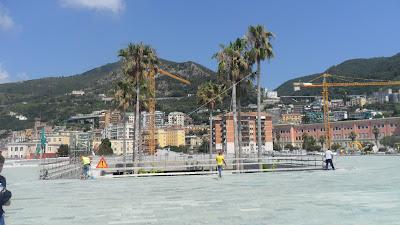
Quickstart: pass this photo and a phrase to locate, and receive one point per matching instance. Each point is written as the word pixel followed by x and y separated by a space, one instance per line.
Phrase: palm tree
pixel 231 64
pixel 124 95
pixel 137 61
pixel 243 88
pixel 322 140
pixel 376 133
pixel 210 94
pixel 259 40
pixel 353 137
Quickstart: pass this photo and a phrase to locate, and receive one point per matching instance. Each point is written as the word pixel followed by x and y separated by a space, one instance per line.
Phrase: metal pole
pixel 124 144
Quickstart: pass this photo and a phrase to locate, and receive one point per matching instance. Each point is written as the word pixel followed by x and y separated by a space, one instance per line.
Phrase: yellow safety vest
pixel 85 160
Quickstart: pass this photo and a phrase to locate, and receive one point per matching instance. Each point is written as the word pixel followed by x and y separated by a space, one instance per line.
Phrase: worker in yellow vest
pixel 86 166
pixel 220 162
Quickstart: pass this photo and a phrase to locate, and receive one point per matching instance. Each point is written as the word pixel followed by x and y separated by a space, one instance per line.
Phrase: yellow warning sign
pixel 102 163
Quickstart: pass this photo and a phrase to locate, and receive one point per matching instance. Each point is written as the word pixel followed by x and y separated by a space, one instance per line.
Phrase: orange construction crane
pixel 325 94
pixel 152 103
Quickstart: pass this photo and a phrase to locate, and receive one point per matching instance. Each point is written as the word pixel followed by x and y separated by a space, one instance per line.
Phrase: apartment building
pixel 223 132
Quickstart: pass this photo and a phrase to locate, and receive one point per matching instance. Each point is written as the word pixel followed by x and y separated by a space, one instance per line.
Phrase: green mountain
pixel 49 98
pixel 380 68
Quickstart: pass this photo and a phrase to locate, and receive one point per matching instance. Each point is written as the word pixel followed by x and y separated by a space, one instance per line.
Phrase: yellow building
pixel 58 139
pixel 294 118
pixel 358 101
pixel 170 137
pixel 54 142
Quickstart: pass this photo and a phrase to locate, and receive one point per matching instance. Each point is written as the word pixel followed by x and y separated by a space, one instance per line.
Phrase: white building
pixel 78 92
pixel 176 119
pixel 131 117
pixel 116 131
pixel 21 117
pixel 271 94
pixel 159 119
pixel 20 150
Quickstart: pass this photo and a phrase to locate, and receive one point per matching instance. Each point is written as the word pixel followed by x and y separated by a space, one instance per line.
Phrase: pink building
pixel 340 131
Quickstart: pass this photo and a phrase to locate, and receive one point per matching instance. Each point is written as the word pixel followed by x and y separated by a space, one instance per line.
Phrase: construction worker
pixel 5 195
pixel 328 159
pixel 220 162
pixel 86 166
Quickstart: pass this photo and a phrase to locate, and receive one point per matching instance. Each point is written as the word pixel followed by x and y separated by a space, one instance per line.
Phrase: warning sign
pixel 102 163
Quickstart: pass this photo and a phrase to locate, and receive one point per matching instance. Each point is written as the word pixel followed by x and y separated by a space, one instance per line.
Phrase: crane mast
pixel 152 103
pixel 327 124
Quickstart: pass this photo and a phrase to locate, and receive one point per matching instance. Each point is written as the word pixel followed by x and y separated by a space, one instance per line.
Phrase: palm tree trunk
pixel 211 139
pixel 240 132
pixel 124 143
pixel 137 129
pixel 259 143
pixel 140 147
pixel 134 132
pixel 235 126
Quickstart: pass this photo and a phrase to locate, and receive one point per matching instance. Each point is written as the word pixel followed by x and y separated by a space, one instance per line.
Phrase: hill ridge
pixel 379 68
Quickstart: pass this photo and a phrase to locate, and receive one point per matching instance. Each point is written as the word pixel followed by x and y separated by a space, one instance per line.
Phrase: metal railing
pixel 208 166
pixel 60 168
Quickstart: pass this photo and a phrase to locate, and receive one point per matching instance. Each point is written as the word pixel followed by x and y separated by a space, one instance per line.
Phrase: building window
pixel 20 149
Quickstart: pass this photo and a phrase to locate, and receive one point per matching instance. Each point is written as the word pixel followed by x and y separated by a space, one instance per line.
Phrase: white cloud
pixel 3 74
pixel 114 6
pixel 6 22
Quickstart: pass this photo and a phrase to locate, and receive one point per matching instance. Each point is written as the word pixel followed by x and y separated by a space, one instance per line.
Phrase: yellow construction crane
pixel 152 102
pixel 325 93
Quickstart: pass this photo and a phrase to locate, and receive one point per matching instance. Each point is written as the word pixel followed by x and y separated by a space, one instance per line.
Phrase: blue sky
pixel 66 37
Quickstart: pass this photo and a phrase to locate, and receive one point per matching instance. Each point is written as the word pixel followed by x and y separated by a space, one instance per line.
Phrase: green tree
pixel 105 147
pixel 203 148
pixel 63 151
pixel 232 62
pixel 278 138
pixel 138 60
pixel 259 40
pixel 335 146
pixel 376 133
pixel 309 143
pixel 277 147
pixel 322 140
pixel 390 141
pixel 353 136
pixel 210 94
pixel 289 146
pixel 181 148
